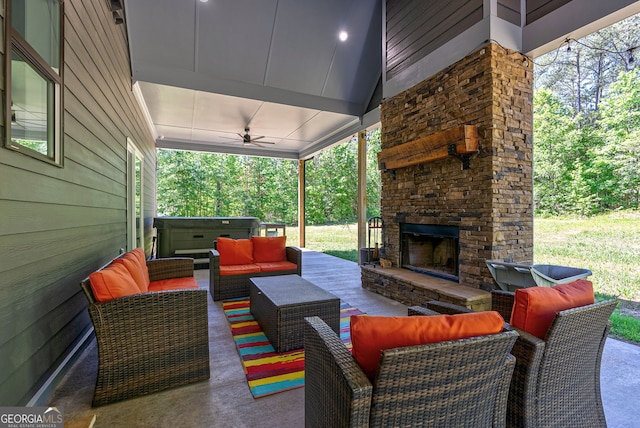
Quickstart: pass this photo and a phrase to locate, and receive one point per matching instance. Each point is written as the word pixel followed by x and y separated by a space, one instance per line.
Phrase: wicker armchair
pixel 153 341
pixel 448 384
pixel 232 286
pixel 556 382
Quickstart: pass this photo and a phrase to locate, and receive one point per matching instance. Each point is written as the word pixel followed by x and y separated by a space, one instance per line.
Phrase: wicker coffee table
pixel 280 304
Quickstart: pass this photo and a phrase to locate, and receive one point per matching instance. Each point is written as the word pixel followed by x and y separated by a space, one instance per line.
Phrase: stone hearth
pixel 412 288
pixel 491 201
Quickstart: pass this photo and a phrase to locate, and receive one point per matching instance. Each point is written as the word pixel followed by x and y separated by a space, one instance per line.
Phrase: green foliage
pixel 332 182
pixel 207 184
pixel 587 124
pixel 625 327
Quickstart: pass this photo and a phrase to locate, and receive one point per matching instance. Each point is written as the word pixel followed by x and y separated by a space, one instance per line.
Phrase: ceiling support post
pixel 362 191
pixel 301 203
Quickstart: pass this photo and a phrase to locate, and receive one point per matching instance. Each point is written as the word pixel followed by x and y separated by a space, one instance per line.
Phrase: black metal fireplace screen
pixel 430 249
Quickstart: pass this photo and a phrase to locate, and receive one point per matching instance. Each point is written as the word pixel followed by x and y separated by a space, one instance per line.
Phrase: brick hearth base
pixel 411 288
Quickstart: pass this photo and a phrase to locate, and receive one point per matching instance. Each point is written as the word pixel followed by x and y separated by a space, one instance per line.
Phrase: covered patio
pixel 225 400
pixel 258 78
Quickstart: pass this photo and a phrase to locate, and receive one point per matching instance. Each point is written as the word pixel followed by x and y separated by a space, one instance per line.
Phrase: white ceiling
pixel 206 70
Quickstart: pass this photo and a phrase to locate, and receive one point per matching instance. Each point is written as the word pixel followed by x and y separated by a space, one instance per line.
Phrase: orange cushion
pixel 372 334
pixel 534 308
pixel 138 254
pixel 235 251
pixel 238 269
pixel 269 248
pixel 173 284
pixel 112 282
pixel 277 266
pixel 137 273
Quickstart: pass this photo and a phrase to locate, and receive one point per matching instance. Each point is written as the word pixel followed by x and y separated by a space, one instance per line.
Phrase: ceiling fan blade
pixel 257 138
pixel 261 143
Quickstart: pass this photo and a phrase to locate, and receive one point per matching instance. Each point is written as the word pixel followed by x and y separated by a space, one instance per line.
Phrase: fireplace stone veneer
pixel 490 203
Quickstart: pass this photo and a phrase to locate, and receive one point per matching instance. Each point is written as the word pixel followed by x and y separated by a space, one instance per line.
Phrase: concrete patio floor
pixel 225 401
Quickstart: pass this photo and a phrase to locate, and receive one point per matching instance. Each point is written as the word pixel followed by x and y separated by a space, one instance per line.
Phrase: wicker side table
pixel 280 304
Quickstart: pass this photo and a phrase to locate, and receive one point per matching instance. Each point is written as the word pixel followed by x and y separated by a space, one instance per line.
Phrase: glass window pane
pixel 38 22
pixel 32 100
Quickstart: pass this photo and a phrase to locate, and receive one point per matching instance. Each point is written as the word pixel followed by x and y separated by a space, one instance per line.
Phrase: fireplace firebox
pixel 430 249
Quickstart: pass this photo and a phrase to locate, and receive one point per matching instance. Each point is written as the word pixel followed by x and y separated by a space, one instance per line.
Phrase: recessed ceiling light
pixel 203 1
pixel 343 36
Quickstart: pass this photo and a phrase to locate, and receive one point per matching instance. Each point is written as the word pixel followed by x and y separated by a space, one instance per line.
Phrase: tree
pixel 586 121
pixel 620 129
pixel 207 184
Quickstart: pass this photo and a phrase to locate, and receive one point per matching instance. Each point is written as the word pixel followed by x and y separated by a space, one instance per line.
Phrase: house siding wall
pixel 59 224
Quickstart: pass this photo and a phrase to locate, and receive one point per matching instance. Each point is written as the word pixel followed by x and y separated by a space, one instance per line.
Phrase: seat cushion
pixel 372 334
pixel 268 249
pixel 534 308
pixel 112 282
pixel 277 266
pixel 239 269
pixel 174 284
pixel 234 251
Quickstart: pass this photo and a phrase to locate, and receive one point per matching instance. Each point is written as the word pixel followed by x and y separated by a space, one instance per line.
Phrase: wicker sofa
pixel 556 382
pixel 228 282
pixel 149 342
pixel 454 383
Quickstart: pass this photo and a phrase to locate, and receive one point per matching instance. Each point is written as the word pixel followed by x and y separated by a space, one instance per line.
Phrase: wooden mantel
pixel 458 142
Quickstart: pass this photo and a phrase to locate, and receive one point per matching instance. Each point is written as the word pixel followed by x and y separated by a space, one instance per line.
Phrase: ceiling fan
pixel 248 139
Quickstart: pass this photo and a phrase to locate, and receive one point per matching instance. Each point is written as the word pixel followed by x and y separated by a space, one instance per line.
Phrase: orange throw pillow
pixel 139 255
pixel 267 249
pixel 136 263
pixel 534 308
pixel 112 282
pixel 235 251
pixel 372 334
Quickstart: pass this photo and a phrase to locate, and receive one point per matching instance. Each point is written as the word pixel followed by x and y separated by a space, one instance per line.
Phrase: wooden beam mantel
pixel 459 142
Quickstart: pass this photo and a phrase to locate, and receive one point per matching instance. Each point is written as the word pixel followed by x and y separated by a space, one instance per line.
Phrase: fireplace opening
pixel 430 249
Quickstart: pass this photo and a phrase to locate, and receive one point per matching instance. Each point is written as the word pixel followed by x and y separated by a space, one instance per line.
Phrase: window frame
pixel 135 223
pixel 15 41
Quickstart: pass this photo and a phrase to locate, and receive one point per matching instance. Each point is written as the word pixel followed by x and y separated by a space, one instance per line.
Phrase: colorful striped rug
pixel 267 371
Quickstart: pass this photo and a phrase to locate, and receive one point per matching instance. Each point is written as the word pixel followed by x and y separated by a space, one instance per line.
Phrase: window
pixel 34 78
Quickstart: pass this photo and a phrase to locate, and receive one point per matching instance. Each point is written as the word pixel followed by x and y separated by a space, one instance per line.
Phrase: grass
pixel 338 240
pixel 608 245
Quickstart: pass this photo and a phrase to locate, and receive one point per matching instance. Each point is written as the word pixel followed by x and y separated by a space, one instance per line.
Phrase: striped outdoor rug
pixel 267 371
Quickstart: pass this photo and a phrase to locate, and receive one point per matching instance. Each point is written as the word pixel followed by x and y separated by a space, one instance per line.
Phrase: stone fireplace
pixel 487 202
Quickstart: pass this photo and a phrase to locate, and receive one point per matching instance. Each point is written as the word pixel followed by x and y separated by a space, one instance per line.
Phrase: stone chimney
pixel 490 201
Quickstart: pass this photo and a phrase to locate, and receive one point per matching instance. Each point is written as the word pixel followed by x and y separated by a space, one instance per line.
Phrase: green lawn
pixel 338 240
pixel 608 245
